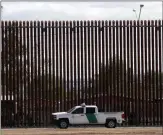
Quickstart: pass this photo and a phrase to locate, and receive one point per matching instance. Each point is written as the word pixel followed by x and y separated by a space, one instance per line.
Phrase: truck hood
pixel 59 113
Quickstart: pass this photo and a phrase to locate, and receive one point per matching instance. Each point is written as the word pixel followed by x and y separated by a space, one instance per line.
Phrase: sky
pixel 80 10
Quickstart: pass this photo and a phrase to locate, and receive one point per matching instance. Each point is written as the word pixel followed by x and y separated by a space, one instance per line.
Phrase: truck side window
pixel 90 110
pixel 78 111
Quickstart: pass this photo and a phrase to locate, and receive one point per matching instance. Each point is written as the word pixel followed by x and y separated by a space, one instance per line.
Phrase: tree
pixel 111 77
pixel 45 84
pixel 13 59
pixel 14 69
pixel 153 85
pixel 50 88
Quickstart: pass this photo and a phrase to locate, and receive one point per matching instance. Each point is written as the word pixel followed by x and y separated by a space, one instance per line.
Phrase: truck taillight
pixel 123 116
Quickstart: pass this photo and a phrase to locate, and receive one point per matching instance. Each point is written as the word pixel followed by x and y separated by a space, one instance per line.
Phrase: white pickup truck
pixel 87 115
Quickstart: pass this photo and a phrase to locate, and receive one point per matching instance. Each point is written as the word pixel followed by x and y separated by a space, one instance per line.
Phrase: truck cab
pixel 87 115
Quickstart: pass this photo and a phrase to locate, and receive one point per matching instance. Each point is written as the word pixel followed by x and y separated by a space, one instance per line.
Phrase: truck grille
pixel 54 116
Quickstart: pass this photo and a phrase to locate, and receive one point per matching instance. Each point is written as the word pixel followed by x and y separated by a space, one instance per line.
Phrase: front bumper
pixel 55 122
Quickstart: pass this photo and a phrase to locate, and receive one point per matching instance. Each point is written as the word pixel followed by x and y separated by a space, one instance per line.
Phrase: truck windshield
pixel 70 110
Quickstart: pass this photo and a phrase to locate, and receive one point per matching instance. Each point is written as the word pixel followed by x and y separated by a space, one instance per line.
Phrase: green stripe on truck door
pixel 91 118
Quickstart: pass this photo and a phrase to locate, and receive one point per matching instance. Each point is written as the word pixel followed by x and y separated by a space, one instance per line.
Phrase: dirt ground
pixel 85 131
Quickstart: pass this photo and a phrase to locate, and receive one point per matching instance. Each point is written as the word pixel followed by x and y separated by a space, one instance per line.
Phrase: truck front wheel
pixel 63 124
pixel 110 124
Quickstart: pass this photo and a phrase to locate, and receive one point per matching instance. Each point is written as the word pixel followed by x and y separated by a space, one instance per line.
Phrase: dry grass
pixel 84 131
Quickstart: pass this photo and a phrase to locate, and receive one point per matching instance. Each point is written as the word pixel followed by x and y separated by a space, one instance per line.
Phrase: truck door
pixel 91 115
pixel 78 116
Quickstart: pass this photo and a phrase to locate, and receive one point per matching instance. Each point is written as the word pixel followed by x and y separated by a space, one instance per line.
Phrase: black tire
pixel 110 124
pixel 63 124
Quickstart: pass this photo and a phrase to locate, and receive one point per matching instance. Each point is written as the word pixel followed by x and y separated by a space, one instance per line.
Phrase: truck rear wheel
pixel 63 124
pixel 110 124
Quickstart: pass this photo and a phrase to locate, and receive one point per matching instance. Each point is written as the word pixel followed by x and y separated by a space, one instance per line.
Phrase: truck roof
pixel 87 106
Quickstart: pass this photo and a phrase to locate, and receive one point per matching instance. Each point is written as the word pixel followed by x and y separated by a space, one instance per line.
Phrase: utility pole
pixel 138 18
pixel 141 6
pixel 0 67
pixel 162 11
pixel 135 13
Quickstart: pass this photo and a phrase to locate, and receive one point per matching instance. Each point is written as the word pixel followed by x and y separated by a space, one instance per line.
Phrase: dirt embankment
pixel 84 131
